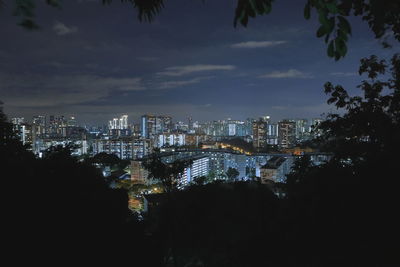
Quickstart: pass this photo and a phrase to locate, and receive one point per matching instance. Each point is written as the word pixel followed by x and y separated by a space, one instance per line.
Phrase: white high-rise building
pixel 118 123
pixel 123 122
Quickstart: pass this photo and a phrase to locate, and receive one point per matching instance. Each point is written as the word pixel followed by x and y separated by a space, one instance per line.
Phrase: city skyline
pixel 198 64
pixel 109 121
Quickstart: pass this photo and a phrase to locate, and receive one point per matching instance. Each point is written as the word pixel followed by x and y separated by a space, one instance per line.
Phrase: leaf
pixel 340 46
pixel 321 31
pixel 344 49
pixel 327 38
pixel 251 12
pixel 337 55
pixel 323 17
pixel 332 7
pixel 341 34
pixel 307 11
pixel 253 5
pixel 240 13
pixel 344 25
pixel 267 7
pixel 330 24
pixel 244 20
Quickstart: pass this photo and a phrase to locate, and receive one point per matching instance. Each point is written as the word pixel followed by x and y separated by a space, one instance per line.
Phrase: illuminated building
pixel 23 130
pixel 276 169
pixel 72 122
pixel 195 139
pixel 119 126
pixel 286 133
pixel 259 134
pixel 272 134
pixel 138 173
pixel 124 148
pixel 39 122
pixel 198 168
pixel 152 125
pixel 171 139
pixel 80 147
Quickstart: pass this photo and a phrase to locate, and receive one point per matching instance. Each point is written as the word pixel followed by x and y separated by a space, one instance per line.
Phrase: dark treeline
pixel 57 208
pixel 344 212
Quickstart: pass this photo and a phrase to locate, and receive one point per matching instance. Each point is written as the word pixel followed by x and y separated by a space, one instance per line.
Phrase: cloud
pixel 174 84
pixel 257 44
pixel 315 110
pixel 40 90
pixel 344 74
pixel 292 73
pixel 183 70
pixel 62 29
pixel 148 59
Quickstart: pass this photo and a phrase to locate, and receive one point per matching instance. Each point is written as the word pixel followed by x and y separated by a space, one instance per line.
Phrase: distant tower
pixel 190 124
pixel 287 133
pixel 259 133
pixel 72 121
pixel 123 122
pixel 265 118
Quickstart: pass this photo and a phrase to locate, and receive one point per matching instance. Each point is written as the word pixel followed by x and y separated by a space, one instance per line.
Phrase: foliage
pixel 356 191
pixel 371 122
pixel 232 173
pixel 201 180
pixel 167 173
pixel 10 145
pixel 147 9
pixel 64 203
pixel 25 10
pixel 220 224
pixel 382 17
pixel 105 159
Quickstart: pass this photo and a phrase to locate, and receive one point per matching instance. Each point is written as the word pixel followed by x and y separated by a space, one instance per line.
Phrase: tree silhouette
pixel 168 173
pixel 336 203
pixel 105 159
pixel 223 224
pixel 64 203
pixel 371 122
pixel 232 173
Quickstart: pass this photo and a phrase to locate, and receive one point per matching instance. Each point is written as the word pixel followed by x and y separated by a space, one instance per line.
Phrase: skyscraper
pixel 120 123
pixel 287 133
pixel 39 123
pixel 152 125
pixel 259 133
pixel 123 122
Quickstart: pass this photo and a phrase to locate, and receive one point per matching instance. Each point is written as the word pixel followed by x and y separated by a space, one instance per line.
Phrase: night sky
pixel 98 62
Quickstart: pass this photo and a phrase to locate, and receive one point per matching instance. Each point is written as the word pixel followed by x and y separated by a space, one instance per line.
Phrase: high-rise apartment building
pixel 152 125
pixel 124 148
pixel 302 130
pixel 171 139
pixel 272 134
pixel 39 124
pixel 120 123
pixel 259 134
pixel 72 122
pixel 23 130
pixel 286 133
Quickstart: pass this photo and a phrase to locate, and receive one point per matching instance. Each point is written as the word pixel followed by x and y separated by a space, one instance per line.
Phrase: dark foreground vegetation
pixel 345 212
